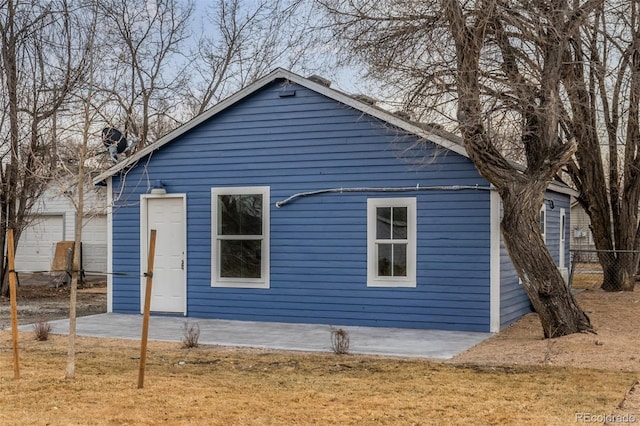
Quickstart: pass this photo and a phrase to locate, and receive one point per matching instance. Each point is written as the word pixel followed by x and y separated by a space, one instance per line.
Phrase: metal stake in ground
pixel 147 307
pixel 14 307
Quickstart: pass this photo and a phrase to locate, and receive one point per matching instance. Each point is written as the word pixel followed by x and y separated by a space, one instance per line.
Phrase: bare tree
pixel 146 63
pixel 498 65
pixel 165 66
pixel 241 42
pixel 602 77
pixel 40 65
pixel 79 149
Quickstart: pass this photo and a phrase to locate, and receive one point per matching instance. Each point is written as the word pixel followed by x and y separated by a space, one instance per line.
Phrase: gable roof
pixel 451 142
pixel 437 136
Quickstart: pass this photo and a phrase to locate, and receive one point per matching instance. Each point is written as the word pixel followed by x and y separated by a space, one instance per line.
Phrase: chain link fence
pixel 586 270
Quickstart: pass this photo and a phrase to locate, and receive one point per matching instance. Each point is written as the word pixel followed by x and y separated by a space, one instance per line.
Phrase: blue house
pixel 293 202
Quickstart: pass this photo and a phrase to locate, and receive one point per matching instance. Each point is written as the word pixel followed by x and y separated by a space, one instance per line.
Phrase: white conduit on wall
pixel 381 189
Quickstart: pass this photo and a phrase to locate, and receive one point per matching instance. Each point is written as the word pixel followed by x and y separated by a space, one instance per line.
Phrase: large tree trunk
pixel 619 270
pixel 614 227
pixel 606 166
pixel 550 296
pixel 522 192
pixel 505 76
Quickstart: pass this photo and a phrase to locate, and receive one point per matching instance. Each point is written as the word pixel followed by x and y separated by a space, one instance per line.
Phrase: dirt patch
pixel 39 300
pixel 616 318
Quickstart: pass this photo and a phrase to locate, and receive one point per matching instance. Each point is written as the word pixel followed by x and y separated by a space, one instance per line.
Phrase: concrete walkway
pixel 297 337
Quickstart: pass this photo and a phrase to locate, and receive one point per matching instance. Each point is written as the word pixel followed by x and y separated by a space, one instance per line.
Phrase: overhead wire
pixel 382 189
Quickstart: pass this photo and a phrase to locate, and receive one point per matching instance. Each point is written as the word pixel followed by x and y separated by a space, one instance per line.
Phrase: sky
pixel 342 78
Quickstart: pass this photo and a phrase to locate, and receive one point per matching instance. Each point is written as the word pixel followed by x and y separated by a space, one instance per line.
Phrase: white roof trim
pixel 257 85
pixel 562 189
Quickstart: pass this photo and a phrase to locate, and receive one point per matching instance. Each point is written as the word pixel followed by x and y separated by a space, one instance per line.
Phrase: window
pixel 543 222
pixel 391 242
pixel 240 237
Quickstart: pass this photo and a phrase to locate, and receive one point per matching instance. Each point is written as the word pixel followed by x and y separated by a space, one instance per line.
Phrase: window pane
pixel 542 223
pixel 383 223
pixel 384 260
pixel 240 214
pixel 399 260
pixel 392 260
pixel 399 223
pixel 240 258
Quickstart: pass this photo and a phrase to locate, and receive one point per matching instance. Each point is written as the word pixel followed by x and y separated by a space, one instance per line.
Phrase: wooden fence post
pixel 14 306
pixel 147 308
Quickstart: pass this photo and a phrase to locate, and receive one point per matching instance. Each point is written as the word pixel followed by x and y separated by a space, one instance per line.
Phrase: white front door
pixel 166 215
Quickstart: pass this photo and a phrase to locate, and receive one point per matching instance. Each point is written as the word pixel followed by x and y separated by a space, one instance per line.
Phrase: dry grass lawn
pixel 516 377
pixel 232 386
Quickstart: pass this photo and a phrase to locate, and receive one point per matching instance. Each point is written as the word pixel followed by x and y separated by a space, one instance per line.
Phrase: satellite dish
pixel 116 143
pixel 114 137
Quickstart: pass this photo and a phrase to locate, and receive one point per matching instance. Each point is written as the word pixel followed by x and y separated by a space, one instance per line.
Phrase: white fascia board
pixel 562 189
pixel 109 245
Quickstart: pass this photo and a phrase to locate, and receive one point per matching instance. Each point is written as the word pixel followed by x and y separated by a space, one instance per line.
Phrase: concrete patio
pixel 437 344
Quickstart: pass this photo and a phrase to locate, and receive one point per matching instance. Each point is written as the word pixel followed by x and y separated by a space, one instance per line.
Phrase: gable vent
pixel 286 93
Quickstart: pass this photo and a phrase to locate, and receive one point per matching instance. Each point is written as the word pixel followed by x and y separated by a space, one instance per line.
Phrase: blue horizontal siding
pixel 318 243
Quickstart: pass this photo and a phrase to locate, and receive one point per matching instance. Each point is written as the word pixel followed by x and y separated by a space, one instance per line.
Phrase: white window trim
pixel 373 280
pixel 563 239
pixel 543 224
pixel 216 280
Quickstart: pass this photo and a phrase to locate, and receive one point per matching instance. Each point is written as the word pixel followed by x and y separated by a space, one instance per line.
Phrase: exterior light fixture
pixel 158 188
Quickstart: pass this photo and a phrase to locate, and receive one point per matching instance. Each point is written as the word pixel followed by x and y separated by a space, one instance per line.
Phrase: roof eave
pixel 563 189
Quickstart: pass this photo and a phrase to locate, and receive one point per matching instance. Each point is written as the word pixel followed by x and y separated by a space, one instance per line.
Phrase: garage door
pixel 94 243
pixel 37 243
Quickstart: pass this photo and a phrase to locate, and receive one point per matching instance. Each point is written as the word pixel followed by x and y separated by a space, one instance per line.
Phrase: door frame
pixel 144 242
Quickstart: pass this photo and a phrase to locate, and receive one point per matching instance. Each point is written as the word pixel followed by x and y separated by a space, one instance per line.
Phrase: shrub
pixel 339 341
pixel 191 335
pixel 41 329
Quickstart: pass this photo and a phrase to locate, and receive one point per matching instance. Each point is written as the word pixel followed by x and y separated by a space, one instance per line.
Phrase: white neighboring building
pixel 581 238
pixel 54 220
